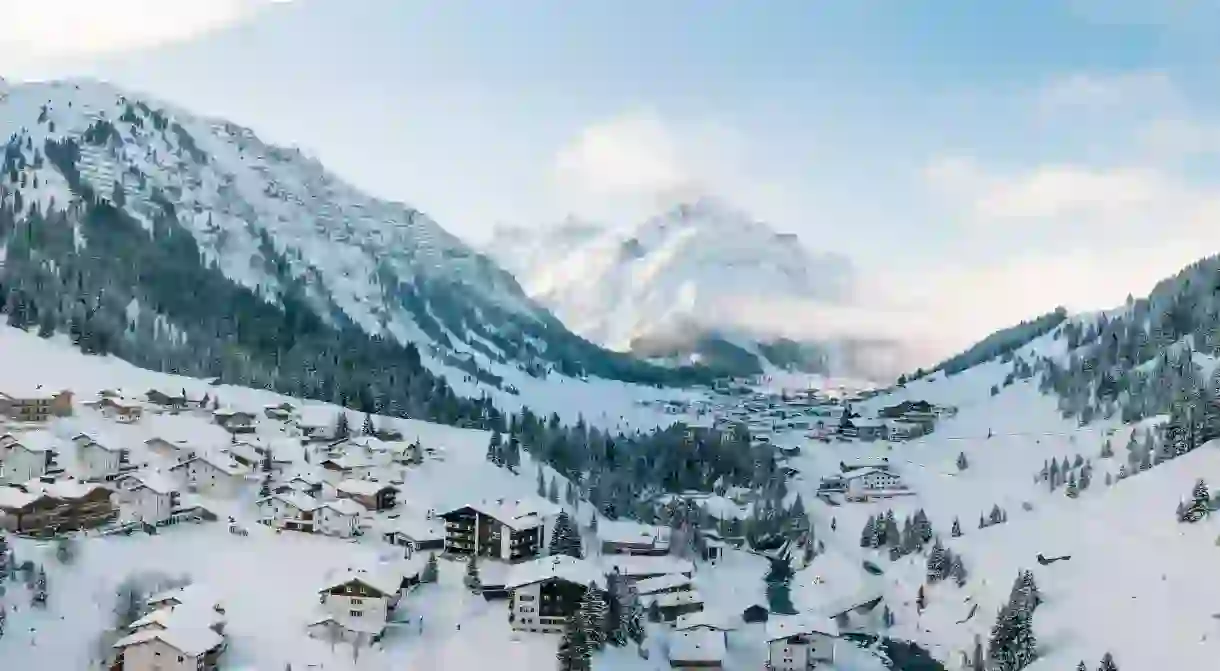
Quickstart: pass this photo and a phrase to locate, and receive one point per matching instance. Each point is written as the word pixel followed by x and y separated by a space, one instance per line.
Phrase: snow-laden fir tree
pixel 574 653
pixel 1081 666
pixel 1199 505
pixel 618 595
pixel 869 533
pixel 472 579
pixel 938 563
pixel 431 570
pixel 635 618
pixel 1012 646
pixel 1107 663
pixel 39 595
pixel 1072 491
pixel 591 613
pixel 368 428
pixel 342 428
pixel 1025 591
pixel 552 492
pixel 962 462
pixel 541 484
pixel 921 601
pixel 3 618
pixel 957 569
pixel 565 538
pixel 956 531
pixel 494 452
pixel 922 526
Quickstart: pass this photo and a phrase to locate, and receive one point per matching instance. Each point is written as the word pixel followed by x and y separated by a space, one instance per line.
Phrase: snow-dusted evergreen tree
pixel 921 600
pixel 890 535
pixel 472 579
pixel 618 595
pixel 1081 666
pixel 1107 663
pixel 887 617
pixel 956 531
pixel 1072 491
pixel 565 538
pixel 368 428
pixel 1025 591
pixel 635 618
pixel 342 428
pixel 962 462
pixel 541 484
pixel 996 516
pixel 591 613
pixel 3 618
pixel 922 526
pixel 1012 646
pixel 4 558
pixel 1086 476
pixel 512 454
pixel 431 570
pixel 574 653
pixel 1107 450
pixel 957 569
pixel 494 452
pixel 552 492
pixel 869 533
pixel 938 563
pixel 1199 505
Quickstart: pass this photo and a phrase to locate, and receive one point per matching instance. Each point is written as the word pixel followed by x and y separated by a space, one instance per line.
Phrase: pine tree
pixel 962 463
pixel 494 452
pixel 472 579
pixel 368 428
pixel 541 483
pixel 1025 591
pixel 869 532
pixel 956 531
pixel 431 570
pixel 264 489
pixel 342 429
pixel 887 617
pixel 921 601
pixel 39 596
pixel 957 570
pixel 938 563
pixel 591 613
pixel 565 537
pixel 617 598
pixel 3 619
pixel 1107 663
pixel 1072 491
pixel 1199 505
pixel 1081 666
pixel 1107 450
pixel 574 653
pixel 552 492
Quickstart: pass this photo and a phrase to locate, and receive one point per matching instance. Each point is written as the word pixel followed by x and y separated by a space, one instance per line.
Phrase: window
pixel 526 597
pixel 356 602
pixel 180 658
pixel 355 613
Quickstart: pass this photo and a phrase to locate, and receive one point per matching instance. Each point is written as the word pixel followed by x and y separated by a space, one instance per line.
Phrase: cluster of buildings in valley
pixel 312 477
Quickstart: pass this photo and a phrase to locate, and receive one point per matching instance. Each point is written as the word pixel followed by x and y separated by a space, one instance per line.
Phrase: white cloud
pixel 1176 138
pixel 1107 93
pixel 34 29
pixel 628 155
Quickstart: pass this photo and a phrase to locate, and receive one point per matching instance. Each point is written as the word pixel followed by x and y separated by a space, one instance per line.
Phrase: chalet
pixel 317 423
pixel 167 398
pixel 695 650
pixel 213 475
pixel 546 591
pixel 35 405
pixel 234 421
pixel 41 507
pixel 666 584
pixel 346 467
pixel 147 497
pixel 870 430
pixel 292 511
pixel 303 484
pixel 512 531
pixel 361 601
pixel 99 461
pixel 184 616
pixel 414 535
pixel 26 456
pixel 281 411
pixel 340 517
pixel 703 621
pixel 671 605
pixel 371 495
pixel 632 538
pixel 175 449
pixel 637 568
pixel 151 649
pixel 245 454
pixel 118 408
pixel 866 482
pixel 800 642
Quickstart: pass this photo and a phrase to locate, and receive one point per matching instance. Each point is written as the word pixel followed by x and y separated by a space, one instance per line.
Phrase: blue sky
pixel 979 161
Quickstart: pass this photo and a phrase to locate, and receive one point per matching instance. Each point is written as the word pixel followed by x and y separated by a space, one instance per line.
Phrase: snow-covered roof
pixel 184 616
pixel 672 599
pixel 191 641
pixel 362 487
pixel 345 507
pixel 38 441
pixel 627 531
pixel 35 393
pixel 783 626
pixel 223 463
pixel 637 565
pixel 195 594
pixel 562 567
pixel 347 461
pixel 156 482
pixel 106 446
pixel 11 497
pixel 517 514
pixel 706 619
pixel 67 488
pixel 662 582
pixel 297 500
pixel 354 624
pixel 696 646
pixel 415 529
pixel 317 416
pixel 384 579
pixel 861 472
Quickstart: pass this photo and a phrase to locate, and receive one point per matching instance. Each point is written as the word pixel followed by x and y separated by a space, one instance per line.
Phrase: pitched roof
pixel 185 616
pixel 517 514
pixel 671 599
pixel 706 619
pixel 783 626
pixel 38 441
pixel 302 502
pixel 191 641
pixel 696 646
pixel 662 582
pixel 345 507
pixel 561 567
pixel 384 579
pixel 636 565
pixel 415 529
pixel 627 531
pixel 363 487
pixel 193 594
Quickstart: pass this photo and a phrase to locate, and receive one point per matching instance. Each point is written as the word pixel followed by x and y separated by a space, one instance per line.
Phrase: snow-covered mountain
pixel 702 280
pixel 188 243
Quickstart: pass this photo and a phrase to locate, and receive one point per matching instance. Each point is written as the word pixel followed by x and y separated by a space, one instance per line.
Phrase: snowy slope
pixel 696 268
pixel 275 222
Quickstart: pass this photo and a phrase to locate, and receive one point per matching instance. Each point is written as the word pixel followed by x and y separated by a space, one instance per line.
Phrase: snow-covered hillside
pixel 699 268
pixel 95 168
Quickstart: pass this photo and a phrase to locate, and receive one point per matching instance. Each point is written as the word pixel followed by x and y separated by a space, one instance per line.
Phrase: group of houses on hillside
pixel 184 629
